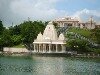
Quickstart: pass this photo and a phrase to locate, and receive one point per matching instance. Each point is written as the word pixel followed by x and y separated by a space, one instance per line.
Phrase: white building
pixel 75 22
pixel 49 42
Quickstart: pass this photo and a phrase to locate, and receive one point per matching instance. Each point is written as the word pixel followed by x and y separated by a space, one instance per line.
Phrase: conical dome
pixel 50 32
pixel 40 37
pixel 61 37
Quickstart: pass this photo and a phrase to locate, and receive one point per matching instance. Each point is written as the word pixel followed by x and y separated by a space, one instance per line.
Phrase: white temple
pixel 49 42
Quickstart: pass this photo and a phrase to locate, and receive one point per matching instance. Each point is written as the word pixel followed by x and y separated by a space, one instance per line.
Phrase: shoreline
pixel 85 55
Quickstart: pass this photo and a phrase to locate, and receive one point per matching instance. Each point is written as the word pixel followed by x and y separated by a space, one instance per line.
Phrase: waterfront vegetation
pixel 19 35
pixel 81 44
pixel 23 35
pixel 19 46
pixel 93 34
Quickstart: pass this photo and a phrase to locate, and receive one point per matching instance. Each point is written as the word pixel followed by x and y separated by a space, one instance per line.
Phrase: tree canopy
pixel 97 34
pixel 24 33
pixel 78 45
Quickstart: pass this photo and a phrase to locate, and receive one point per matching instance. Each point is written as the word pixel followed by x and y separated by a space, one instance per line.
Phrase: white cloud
pixel 17 11
pixel 44 10
pixel 86 13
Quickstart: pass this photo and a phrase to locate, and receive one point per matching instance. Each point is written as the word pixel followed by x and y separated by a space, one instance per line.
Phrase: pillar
pixel 43 47
pixel 73 25
pixel 49 47
pixel 63 48
pixel 34 48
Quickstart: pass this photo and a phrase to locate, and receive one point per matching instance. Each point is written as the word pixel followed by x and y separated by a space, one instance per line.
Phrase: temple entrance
pixel 47 47
pixel 53 48
pixel 59 48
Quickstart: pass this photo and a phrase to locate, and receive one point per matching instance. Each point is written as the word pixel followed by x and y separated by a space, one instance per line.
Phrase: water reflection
pixel 49 66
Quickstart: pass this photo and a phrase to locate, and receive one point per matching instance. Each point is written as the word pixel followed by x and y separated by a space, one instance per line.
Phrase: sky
pixel 17 11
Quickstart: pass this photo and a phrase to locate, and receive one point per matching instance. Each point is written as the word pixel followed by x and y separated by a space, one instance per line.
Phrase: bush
pixel 78 45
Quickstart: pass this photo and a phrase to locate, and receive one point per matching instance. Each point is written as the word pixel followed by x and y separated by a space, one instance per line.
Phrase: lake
pixel 49 66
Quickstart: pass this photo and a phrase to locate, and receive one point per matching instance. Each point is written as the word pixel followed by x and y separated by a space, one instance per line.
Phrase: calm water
pixel 49 66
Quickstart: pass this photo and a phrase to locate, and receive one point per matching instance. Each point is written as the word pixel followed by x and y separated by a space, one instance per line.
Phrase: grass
pixel 83 32
pixel 19 46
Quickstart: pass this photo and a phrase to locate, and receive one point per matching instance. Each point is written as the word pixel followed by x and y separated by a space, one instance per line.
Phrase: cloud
pixel 17 11
pixel 86 13
pixel 36 9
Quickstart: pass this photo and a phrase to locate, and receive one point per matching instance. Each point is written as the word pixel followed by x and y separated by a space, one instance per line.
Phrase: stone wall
pixel 12 50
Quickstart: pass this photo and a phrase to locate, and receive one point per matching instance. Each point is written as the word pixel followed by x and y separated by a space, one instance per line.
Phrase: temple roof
pixel 50 32
pixel 50 36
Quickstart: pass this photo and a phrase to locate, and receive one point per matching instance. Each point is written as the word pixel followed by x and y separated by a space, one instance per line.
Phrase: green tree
pixel 1 32
pixel 29 31
pixel 17 39
pixel 1 27
pixel 55 24
pixel 97 34
pixel 78 45
pixel 16 30
pixel 25 33
pixel 6 39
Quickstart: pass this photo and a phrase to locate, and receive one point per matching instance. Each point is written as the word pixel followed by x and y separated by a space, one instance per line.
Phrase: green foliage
pixel 95 50
pixel 16 30
pixel 19 46
pixel 83 32
pixel 17 39
pixel 96 34
pixel 29 30
pixel 1 27
pixel 6 39
pixel 78 45
pixel 25 33
pixel 55 24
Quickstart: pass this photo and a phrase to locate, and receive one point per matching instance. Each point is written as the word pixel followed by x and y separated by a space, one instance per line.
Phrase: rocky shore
pixel 85 55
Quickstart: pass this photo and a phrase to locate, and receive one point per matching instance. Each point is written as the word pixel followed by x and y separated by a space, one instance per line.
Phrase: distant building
pixel 49 42
pixel 74 22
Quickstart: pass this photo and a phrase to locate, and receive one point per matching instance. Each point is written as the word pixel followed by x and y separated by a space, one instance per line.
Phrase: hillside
pixel 88 34
pixel 84 32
